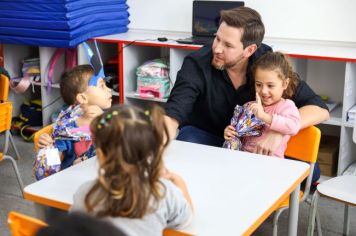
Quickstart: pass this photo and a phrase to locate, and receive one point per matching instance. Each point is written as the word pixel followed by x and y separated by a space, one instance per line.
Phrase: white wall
pixel 331 20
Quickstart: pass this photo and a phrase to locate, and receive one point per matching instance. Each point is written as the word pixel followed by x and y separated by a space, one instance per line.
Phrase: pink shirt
pixel 285 120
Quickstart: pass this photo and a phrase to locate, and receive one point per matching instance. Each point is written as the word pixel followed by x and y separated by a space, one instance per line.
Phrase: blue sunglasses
pixel 96 62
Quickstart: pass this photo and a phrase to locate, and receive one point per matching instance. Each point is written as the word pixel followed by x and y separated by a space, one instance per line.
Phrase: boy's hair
pixel 279 63
pixel 77 224
pixel 75 81
pixel 132 142
pixel 249 20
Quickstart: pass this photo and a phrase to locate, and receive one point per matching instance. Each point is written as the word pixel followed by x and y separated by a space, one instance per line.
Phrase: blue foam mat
pixel 63 24
pixel 121 7
pixel 53 6
pixel 60 43
pixel 62 34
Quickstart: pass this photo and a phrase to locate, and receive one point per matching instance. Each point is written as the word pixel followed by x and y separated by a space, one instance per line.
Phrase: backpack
pixel 30 116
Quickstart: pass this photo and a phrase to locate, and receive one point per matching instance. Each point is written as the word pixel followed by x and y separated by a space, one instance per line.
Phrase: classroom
pixel 190 117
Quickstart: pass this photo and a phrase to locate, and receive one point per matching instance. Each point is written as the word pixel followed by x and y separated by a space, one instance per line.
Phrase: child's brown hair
pixel 131 142
pixel 75 81
pixel 278 62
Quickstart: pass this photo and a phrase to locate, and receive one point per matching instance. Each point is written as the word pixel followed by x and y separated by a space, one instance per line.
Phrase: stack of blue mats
pixel 60 23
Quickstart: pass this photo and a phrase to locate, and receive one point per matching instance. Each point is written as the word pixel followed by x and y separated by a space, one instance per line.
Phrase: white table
pixel 233 192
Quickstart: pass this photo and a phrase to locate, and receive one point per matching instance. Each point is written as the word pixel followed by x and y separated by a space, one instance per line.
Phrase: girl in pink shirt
pixel 275 83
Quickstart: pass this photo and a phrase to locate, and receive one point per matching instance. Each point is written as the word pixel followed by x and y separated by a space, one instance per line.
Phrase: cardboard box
pixel 328 155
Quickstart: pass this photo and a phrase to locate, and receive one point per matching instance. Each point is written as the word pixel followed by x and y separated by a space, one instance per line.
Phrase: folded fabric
pixel 88 11
pixel 53 6
pixel 61 43
pixel 245 124
pixel 63 34
pixel 60 23
pixel 18 24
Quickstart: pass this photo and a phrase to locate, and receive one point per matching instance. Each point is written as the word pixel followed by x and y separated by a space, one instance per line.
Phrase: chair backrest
pixel 45 130
pixel 23 225
pixel 4 88
pixel 304 145
pixel 5 116
pixel 172 232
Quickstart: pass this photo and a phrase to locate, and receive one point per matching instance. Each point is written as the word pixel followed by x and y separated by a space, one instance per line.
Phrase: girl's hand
pixel 256 108
pixel 229 132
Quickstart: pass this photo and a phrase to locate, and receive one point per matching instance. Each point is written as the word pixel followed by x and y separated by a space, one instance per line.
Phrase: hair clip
pixel 104 120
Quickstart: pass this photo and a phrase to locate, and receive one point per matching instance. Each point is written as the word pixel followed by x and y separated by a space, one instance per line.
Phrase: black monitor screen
pixel 206 15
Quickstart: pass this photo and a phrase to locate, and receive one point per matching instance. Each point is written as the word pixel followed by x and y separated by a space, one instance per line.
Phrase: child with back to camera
pixel 85 94
pixel 275 84
pixel 133 189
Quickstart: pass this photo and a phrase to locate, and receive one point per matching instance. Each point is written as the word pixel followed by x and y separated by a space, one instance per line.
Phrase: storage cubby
pixel 51 98
pixel 133 57
pixel 13 57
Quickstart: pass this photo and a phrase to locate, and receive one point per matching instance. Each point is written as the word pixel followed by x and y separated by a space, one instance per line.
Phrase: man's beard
pixel 224 66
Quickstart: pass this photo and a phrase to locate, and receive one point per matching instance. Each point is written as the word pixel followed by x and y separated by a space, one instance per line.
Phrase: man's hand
pixel 229 132
pixel 172 126
pixel 45 140
pixel 269 144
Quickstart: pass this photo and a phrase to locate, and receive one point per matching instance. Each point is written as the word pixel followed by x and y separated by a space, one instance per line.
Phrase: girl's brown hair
pixel 278 62
pixel 132 142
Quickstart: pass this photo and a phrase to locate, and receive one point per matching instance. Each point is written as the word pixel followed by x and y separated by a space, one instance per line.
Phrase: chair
pixel 5 125
pixel 23 225
pixel 303 146
pixel 4 93
pixel 45 130
pixel 172 232
pixel 340 188
pixel 4 88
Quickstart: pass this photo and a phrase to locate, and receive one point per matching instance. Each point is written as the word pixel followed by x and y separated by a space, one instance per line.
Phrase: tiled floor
pixel 10 199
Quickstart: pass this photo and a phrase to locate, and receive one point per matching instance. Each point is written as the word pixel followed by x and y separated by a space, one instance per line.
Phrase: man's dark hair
pixel 249 20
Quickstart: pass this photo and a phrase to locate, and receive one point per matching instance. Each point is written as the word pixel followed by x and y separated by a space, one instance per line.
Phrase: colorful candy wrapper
pixel 246 124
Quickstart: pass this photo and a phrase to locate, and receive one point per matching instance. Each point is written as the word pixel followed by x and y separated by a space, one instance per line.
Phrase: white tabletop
pixel 231 191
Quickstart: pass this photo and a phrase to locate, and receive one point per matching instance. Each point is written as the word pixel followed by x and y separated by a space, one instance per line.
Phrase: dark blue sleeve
pixel 186 90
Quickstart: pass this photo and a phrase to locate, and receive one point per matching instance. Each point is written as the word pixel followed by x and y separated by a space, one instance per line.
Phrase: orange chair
pixel 4 88
pixel 5 125
pixel 22 225
pixel 304 146
pixel 4 93
pixel 45 130
pixel 172 232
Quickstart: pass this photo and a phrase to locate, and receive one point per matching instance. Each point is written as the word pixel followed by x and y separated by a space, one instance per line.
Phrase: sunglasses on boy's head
pixel 96 62
pixel 93 81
